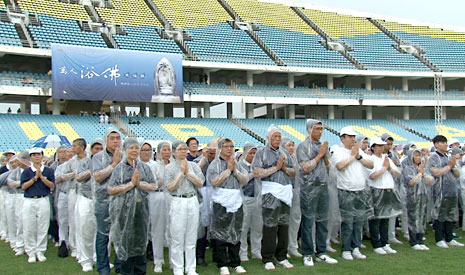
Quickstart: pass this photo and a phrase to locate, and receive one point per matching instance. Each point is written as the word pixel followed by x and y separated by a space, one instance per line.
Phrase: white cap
pixel 376 141
pixel 36 150
pixel 10 151
pixel 200 148
pixel 452 141
pixel 347 131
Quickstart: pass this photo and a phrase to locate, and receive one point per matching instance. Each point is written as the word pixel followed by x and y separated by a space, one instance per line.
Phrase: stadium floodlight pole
pixel 438 90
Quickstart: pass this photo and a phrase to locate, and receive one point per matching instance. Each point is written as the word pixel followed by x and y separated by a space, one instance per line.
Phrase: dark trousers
pixel 227 254
pixel 134 265
pixel 379 232
pixel 321 233
pixel 101 249
pixel 351 234
pixel 443 230
pixel 274 242
pixel 201 246
pixel 415 238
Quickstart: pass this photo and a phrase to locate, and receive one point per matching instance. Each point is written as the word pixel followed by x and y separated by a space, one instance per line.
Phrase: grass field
pixel 406 261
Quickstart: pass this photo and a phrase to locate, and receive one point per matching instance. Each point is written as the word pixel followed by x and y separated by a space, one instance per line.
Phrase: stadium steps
pixel 399 123
pixel 96 18
pixel 21 28
pixel 327 38
pixel 247 130
pixel 157 12
pixel 398 41
pixel 122 126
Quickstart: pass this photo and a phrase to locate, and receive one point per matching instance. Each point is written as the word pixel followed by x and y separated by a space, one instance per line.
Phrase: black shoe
pixel 201 262
pixel 63 251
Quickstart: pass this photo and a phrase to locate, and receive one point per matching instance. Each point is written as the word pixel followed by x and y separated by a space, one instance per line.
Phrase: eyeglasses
pixel 228 146
pixel 146 150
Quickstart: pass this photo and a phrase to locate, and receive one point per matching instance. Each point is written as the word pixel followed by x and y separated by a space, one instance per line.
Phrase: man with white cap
pixel 312 156
pixel 252 207
pixel 273 168
pixel 350 162
pixel 36 181
pixel 386 202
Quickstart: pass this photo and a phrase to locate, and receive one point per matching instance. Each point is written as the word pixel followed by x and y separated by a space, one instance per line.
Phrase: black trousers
pixel 379 232
pixel 274 243
pixel 134 265
pixel 415 238
pixel 443 230
pixel 227 254
pixel 201 246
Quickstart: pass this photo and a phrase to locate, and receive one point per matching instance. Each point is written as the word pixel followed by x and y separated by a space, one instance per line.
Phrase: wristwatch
pixel 360 157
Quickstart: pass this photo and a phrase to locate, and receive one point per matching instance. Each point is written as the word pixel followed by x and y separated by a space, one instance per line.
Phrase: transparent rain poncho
pixel 416 198
pixel 84 187
pixel 444 189
pixel 226 226
pixel 129 212
pixel 185 186
pixel 314 195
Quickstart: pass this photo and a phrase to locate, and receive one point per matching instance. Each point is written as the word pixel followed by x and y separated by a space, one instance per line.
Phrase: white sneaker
pixel 19 252
pixel 334 241
pixel 442 244
pixel 57 244
pixel 111 266
pixel 295 254
pixel 424 247
pixel 73 253
pixel 224 270
pixel 269 266
pixel 192 272
pixel 325 258
pixel 395 241
pixel 244 259
pixel 417 247
pixel 32 259
pixel 87 267
pixel 455 243
pixel 356 254
pixel 41 257
pixel 240 269
pixel 379 251
pixel 330 249
pixel 286 264
pixel 389 250
pixel 308 261
pixel 363 246
pixel 158 268
pixel 346 255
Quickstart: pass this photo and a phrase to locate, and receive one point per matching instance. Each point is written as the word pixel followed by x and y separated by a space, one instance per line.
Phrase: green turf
pixel 406 261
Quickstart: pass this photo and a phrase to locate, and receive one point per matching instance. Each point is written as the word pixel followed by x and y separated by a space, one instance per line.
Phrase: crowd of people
pixel 140 199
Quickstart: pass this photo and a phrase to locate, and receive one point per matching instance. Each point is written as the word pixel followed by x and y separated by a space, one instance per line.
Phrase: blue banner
pixel 88 73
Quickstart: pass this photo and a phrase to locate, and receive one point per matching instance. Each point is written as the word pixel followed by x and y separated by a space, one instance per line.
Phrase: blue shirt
pixel 38 188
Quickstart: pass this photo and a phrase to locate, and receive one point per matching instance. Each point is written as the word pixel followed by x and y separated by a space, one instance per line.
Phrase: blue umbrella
pixel 51 141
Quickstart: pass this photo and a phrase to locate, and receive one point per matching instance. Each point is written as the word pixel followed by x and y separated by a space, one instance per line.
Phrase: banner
pixel 88 73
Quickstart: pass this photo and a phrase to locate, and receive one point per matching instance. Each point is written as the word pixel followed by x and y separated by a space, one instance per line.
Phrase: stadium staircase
pixel 124 128
pixel 417 53
pixel 247 130
pixel 399 123
pixel 104 31
pixel 250 31
pixel 15 15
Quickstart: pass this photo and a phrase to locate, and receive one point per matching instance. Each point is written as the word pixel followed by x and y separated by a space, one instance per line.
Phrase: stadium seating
pixel 450 128
pixel 8 35
pixel 195 88
pixel 55 8
pixel 274 91
pixel 25 79
pixel 145 38
pixel 130 13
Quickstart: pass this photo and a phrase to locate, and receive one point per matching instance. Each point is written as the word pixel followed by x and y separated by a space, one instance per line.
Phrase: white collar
pixel 34 169
pixel 246 163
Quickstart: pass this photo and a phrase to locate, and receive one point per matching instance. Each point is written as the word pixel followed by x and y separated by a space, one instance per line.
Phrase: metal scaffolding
pixel 438 90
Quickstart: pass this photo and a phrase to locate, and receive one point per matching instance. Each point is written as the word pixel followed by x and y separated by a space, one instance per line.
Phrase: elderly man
pixel 312 156
pixel 273 167
pixel 350 162
pixel 226 180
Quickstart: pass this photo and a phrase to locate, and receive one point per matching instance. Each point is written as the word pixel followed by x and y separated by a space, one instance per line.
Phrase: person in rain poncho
pixel 182 178
pixel 350 163
pixel 14 204
pixel 462 186
pixel 36 181
pixel 312 156
pixel 129 186
pixel 12 164
pixel 87 224
pixel 386 202
pixel 294 215
pixel 445 173
pixel 101 168
pixel 334 216
pixel 227 214
pixel 252 207
pixel 414 179
pixel 273 167
pixel 5 160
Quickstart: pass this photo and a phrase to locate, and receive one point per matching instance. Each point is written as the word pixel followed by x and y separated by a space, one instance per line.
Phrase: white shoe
pixel 455 243
pixel 87 267
pixel 389 250
pixel 286 264
pixel 330 249
pixel 325 258
pixel 363 246
pixel 346 255
pixel 442 244
pixel 334 241
pixel 270 266
pixel 73 253
pixel 111 266
pixel 192 272
pixel 19 252
pixel 295 254
pixel 3 237
pixel 380 251
pixel 308 261
pixel 32 259
pixel 224 270
pixel 417 247
pixel 41 257
pixel 356 254
pixel 395 241
pixel 244 259
pixel 424 247
pixel 158 268
pixel 57 244
pixel 240 269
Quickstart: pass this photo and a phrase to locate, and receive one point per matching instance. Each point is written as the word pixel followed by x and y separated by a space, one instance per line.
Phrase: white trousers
pixel 72 225
pixel 184 222
pixel 10 210
pixel 86 230
pixel 3 219
pixel 19 219
pixel 36 220
pixel 157 209
pixel 252 221
pixel 62 217
pixel 76 226
pixel 294 221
